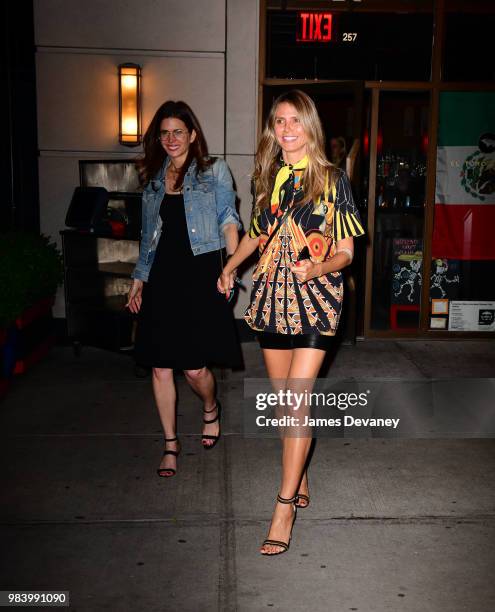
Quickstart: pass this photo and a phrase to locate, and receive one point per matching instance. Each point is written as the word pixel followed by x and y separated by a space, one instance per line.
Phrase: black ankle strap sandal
pixel 304 498
pixel 168 472
pixel 283 545
pixel 218 408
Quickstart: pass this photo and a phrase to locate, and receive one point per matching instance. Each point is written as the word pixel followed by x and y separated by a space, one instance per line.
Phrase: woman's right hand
pixel 134 298
pixel 225 282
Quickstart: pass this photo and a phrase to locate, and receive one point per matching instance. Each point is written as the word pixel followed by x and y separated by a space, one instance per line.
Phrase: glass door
pixel 399 210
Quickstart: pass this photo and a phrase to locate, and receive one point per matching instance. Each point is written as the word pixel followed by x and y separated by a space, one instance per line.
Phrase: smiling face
pixel 290 133
pixel 175 138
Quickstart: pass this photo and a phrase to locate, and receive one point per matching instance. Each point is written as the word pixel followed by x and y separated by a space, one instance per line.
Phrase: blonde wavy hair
pixel 269 150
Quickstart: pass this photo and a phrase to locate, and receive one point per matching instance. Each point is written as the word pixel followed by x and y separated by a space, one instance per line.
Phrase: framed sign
pixel 472 316
pixel 439 306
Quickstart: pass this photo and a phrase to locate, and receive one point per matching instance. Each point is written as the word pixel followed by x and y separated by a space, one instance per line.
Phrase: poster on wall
pixel 465 177
pixel 444 278
pixel 472 316
pixel 407 260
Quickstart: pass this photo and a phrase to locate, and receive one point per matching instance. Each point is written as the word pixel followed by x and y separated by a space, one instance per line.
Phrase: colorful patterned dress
pixel 280 303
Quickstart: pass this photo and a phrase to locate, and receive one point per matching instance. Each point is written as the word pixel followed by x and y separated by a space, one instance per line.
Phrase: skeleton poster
pixel 406 270
pixel 445 278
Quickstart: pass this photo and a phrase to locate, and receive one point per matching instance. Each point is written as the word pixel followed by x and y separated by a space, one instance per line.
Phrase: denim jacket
pixel 209 202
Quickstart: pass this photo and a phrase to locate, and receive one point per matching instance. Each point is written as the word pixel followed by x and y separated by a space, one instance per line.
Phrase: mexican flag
pixel 465 182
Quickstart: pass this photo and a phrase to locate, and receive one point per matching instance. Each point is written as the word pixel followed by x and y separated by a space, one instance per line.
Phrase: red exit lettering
pixel 315 27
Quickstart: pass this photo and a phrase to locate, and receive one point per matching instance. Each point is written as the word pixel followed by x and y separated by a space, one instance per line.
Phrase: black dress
pixel 184 322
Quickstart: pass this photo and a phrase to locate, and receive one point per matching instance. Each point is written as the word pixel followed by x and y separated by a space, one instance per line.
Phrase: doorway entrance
pixel 343 112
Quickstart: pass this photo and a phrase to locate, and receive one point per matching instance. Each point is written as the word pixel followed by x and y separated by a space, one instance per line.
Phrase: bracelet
pixel 346 250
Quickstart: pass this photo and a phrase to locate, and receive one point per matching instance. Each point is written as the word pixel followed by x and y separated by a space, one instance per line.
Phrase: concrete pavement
pixel 394 525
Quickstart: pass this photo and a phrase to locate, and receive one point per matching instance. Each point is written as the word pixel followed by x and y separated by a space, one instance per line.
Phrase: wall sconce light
pixel 130 105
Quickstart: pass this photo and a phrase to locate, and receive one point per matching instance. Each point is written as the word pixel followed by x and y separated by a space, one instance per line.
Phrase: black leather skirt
pixel 269 340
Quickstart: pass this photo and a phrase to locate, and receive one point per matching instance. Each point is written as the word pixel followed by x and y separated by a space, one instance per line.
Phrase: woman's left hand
pixel 306 270
pixel 225 282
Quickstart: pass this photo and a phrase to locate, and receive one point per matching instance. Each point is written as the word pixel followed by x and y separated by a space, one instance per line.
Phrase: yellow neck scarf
pixel 283 175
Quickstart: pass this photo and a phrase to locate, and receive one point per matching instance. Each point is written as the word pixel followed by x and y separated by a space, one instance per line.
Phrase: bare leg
pixel 278 363
pixel 202 382
pixel 305 365
pixel 165 398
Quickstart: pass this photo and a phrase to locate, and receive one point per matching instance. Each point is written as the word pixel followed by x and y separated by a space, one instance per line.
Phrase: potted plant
pixel 31 269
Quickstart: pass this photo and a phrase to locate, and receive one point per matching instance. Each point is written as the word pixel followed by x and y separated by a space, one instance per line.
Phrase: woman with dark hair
pixel 188 219
pixel 303 224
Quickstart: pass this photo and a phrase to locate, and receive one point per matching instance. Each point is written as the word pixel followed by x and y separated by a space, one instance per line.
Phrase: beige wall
pixel 241 102
pixel 191 49
pixel 179 25
pixel 78 96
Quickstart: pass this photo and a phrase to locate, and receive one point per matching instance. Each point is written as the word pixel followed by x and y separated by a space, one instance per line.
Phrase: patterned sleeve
pixel 254 228
pixel 347 221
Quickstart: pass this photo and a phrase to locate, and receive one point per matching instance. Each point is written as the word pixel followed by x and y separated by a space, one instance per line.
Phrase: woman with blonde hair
pixel 303 223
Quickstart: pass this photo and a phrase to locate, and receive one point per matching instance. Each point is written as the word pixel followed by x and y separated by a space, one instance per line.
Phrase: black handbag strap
pixel 282 221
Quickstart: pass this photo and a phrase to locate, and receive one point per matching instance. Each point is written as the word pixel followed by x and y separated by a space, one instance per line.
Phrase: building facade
pixel 406 92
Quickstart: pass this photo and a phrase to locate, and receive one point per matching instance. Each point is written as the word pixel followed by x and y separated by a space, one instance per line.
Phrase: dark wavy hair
pixel 154 153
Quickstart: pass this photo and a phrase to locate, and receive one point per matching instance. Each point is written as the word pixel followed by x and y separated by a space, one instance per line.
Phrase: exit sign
pixel 314 27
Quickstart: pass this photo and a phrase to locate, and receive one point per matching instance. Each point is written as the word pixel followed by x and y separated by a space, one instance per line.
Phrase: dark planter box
pixel 26 341
pixel 6 363
pixel 35 335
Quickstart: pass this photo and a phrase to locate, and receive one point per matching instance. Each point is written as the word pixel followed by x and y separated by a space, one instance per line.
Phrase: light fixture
pixel 130 104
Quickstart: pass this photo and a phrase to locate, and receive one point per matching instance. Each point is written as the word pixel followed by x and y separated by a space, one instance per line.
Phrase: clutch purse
pixel 304 254
pixel 237 281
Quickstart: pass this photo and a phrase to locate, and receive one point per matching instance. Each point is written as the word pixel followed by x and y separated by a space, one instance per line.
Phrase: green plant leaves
pixel 31 268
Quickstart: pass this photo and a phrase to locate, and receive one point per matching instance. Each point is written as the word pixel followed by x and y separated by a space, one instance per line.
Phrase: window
pixel 462 291
pixel 468 50
pixel 373 46
pixel 399 210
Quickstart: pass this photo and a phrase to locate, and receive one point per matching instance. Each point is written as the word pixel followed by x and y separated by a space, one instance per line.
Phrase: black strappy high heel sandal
pixel 161 471
pixel 218 408
pixel 283 545
pixel 305 498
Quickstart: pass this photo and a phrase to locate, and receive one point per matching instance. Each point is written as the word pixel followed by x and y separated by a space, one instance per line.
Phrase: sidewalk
pixel 393 525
